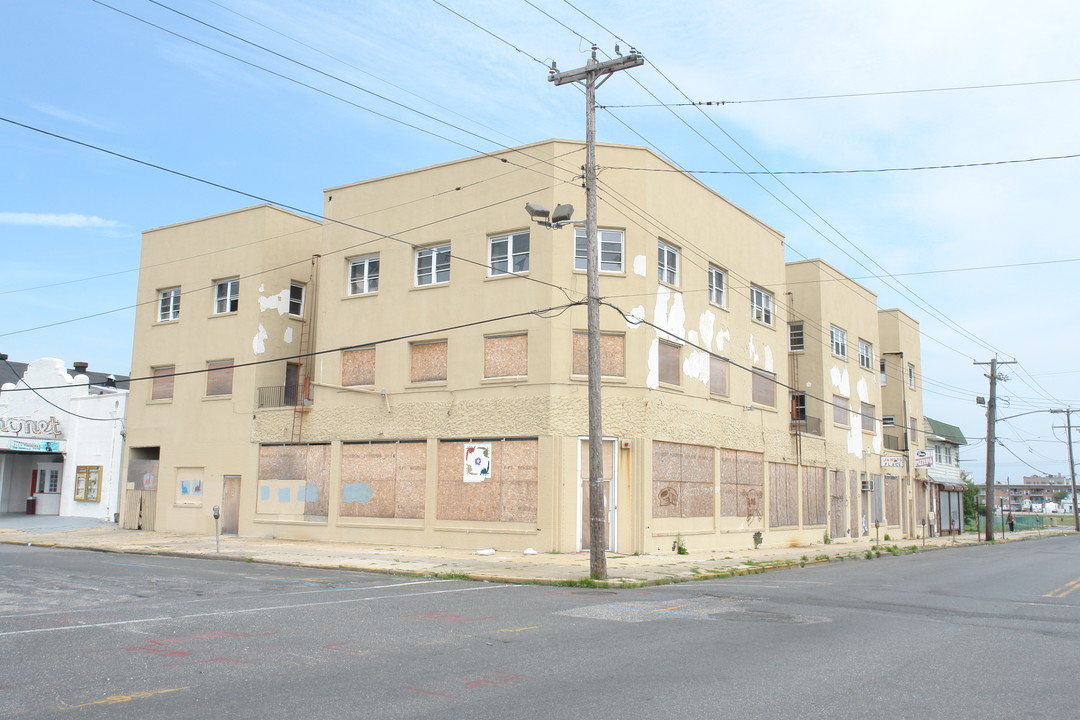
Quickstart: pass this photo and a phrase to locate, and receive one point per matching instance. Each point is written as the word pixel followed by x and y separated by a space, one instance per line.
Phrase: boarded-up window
pixel 854 501
pixel 742 482
pixel 670 372
pixel 506 356
pixel 892 500
pixel 507 494
pixel 162 385
pixel 718 375
pixel 293 480
pixel 428 361
pixel 189 485
pixel 612 354
pixel 358 366
pixel 815 499
pixel 383 480
pixel 219 375
pixel 837 496
pixel 783 495
pixel 877 499
pixel 763 388
pixel 684 480
pixel 839 410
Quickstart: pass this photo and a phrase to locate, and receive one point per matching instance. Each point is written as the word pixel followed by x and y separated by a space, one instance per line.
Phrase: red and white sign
pixel 924 459
pixel 892 461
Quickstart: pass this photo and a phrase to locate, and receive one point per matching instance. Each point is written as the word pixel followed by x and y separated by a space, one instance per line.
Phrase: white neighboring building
pixel 61 442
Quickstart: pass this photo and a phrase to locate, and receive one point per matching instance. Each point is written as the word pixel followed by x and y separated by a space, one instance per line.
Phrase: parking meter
pixel 217 534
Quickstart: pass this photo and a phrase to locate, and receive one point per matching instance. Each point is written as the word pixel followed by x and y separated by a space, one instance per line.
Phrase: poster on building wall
pixel 88 483
pixel 477 462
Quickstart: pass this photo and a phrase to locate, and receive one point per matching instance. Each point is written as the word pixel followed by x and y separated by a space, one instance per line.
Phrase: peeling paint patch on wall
pixel 706 329
pixel 752 351
pixel 635 316
pixel 769 359
pixel 258 343
pixel 840 381
pixel 279 302
pixel 652 379
pixel 288 334
pixel 672 319
pixel 640 265
pixel 696 366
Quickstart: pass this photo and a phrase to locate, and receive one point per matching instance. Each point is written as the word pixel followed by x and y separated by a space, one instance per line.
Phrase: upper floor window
pixel 718 375
pixel 838 337
pixel 509 254
pixel 169 305
pixel 911 376
pixel 609 248
pixel 840 410
pixel 433 265
pixel 866 355
pixel 296 299
pixel 364 275
pixel 612 354
pixel 761 305
pixel 796 336
pixel 506 355
pixel 881 365
pixel 763 388
pixel 668 263
pixel 869 422
pixel 219 377
pixel 670 355
pixel 161 387
pixel 226 296
pixel 428 361
pixel 717 286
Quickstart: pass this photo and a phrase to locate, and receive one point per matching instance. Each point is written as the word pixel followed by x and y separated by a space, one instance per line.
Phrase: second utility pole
pixel 597 514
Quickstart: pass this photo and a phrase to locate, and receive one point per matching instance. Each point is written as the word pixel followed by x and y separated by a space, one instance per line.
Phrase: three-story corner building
pixel 413 369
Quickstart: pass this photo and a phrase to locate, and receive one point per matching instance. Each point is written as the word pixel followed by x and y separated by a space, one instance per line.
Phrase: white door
pixel 47 489
pixel 610 486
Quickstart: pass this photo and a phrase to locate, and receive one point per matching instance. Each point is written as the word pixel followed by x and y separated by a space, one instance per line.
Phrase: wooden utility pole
pixel 1072 466
pixel 991 439
pixel 588 76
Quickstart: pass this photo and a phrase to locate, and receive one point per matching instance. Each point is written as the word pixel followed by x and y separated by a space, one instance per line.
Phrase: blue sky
pixel 71 216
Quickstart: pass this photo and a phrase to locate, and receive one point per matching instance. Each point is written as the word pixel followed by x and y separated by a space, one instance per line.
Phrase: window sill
pixel 212 398
pixel 224 314
pixel 172 321
pixel 505 275
pixel 421 384
pixel 839 357
pixel 725 308
pixel 613 379
pixel 754 320
pixel 431 285
pixel 604 273
pixel 354 296
pixel 505 380
pixel 160 401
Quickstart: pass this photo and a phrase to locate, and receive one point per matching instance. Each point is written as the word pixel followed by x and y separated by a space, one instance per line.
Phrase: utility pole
pixel 1072 467
pixel 991 439
pixel 588 76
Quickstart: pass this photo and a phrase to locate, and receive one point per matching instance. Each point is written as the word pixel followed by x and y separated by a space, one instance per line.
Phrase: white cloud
pixel 57 220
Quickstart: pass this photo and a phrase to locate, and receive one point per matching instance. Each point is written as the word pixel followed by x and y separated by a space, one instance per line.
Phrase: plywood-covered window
pixel 293 480
pixel 670 363
pixel 161 388
pixel 684 480
pixel 815 496
pixel 783 494
pixel 742 484
pixel 506 356
pixel 718 375
pixel 612 354
pixel 763 388
pixel 892 500
pixel 428 361
pixel 383 480
pixel 189 485
pixel 219 377
pixel 358 366
pixel 506 492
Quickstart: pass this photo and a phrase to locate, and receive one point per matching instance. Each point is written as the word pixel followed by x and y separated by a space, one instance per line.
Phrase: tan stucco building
pixel 412 369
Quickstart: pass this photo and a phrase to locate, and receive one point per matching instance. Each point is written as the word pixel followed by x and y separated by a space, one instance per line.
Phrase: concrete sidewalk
pixel 547 568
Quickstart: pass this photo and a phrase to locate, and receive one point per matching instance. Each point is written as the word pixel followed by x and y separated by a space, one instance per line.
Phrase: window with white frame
pixel 866 355
pixel 838 338
pixel 943 454
pixel 717 286
pixel 668 263
pixel 296 299
pixel 796 336
pixel 226 296
pixel 884 380
pixel 509 253
pixel 364 275
pixel 609 248
pixel 433 265
pixel 761 305
pixel 169 305
pixel 911 376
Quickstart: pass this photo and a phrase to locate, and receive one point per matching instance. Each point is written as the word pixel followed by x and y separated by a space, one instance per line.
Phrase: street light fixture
pixel 560 217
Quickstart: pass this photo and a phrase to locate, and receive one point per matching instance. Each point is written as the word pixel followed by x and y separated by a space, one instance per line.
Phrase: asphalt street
pixel 947 634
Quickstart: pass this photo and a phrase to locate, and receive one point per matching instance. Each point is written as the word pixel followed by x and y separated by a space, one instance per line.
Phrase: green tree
pixel 1060 495
pixel 972 508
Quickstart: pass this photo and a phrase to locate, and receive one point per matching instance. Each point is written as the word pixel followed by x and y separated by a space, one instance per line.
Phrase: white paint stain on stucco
pixel 279 302
pixel 840 381
pixel 258 343
pixel 671 321
pixel 696 366
pixel 768 359
pixel 639 265
pixel 288 334
pixel 862 390
pixel 752 351
pixel 635 317
pixel 706 328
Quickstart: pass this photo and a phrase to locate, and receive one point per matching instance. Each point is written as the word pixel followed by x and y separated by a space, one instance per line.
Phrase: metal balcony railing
pixel 277 396
pixel 807 425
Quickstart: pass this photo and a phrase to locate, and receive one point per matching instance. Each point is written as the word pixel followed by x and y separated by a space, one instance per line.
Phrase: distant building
pixel 61 439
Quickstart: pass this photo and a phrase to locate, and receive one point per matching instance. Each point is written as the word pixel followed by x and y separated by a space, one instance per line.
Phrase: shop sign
pixel 892 461
pixel 924 459
pixel 46 446
pixel 24 426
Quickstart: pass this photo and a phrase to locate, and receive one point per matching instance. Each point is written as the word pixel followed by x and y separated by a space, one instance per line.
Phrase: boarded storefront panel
pixel 294 480
pixel 742 484
pixel 383 480
pixel 507 494
pixel 854 499
pixel 892 500
pixel 783 495
pixel 815 499
pixel 837 506
pixel 683 480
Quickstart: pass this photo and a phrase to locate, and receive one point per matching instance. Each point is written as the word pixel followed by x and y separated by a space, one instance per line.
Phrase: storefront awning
pixel 947 484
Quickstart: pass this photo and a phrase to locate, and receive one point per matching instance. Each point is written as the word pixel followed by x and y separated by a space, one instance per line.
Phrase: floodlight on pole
pixel 562 215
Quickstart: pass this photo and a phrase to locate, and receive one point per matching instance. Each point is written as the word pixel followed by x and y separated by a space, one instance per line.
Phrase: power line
pixel 719 103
